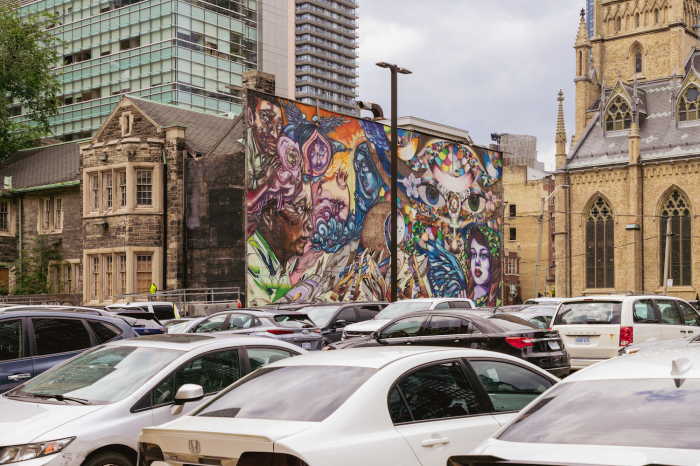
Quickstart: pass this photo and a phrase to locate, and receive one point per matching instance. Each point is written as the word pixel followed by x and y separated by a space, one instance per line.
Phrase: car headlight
pixel 15 453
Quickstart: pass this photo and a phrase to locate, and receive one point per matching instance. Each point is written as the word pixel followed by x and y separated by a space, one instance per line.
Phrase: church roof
pixel 660 137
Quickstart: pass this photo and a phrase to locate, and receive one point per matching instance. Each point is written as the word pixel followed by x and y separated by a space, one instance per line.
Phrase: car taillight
pixel 317 330
pixel 520 342
pixel 275 331
pixel 626 336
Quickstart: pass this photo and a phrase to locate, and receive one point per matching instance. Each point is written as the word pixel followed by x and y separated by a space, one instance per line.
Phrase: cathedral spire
pixel 560 138
pixel 582 39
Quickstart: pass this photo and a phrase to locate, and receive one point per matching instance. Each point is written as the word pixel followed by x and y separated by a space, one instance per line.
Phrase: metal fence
pixel 60 299
pixel 188 300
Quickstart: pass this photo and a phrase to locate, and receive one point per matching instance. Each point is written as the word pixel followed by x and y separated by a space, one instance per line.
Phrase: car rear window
pixel 615 413
pixel 589 312
pixel 293 321
pixel 315 394
pixel 510 323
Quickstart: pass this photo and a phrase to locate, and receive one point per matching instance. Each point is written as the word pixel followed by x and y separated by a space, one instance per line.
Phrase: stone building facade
pixel 634 159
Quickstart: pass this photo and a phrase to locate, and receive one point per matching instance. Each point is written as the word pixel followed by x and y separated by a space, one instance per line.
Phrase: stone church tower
pixel 634 159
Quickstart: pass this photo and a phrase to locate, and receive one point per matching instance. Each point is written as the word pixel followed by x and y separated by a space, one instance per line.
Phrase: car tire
pixel 109 458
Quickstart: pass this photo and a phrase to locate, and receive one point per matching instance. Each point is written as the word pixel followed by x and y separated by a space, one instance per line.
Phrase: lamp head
pixel 404 71
pixel 565 186
pixel 383 64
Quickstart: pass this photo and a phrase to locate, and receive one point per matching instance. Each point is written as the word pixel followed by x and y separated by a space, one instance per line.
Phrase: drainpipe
pixel 165 219
pixel 641 220
pixel 20 226
pixel 184 223
pixel 568 229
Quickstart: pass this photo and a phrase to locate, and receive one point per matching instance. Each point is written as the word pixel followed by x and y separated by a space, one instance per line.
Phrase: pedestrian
pixel 518 300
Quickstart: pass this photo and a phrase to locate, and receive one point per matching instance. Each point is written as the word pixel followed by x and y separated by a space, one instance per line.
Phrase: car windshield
pixel 102 375
pixel 615 413
pixel 292 393
pixel 293 321
pixel 510 323
pixel 177 327
pixel 588 312
pixel 320 315
pixel 392 311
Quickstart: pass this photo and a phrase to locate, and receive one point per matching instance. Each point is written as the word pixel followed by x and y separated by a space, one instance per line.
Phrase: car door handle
pixel 682 331
pixel 19 376
pixel 434 441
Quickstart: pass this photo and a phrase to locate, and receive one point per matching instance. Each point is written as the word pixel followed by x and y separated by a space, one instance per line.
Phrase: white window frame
pixel 124 196
pixel 139 177
pixel 137 260
pixel 64 274
pixel 126 274
pixel 6 206
pixel 53 208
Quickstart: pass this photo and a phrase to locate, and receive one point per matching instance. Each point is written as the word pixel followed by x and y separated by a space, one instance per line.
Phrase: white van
pixel 162 309
pixel 594 328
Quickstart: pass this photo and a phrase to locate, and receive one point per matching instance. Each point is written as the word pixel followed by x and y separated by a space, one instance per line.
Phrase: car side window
pixel 435 392
pixel 348 315
pixel 260 357
pixel 443 325
pixel 468 327
pixel 104 331
pixel 214 372
pixel 539 321
pixel 11 344
pixel 368 312
pixel 408 327
pixel 240 322
pixel 163 311
pixel 443 305
pixel 689 315
pixel 461 304
pixel 668 311
pixel 509 386
pixel 643 312
pixel 213 324
pixel 53 336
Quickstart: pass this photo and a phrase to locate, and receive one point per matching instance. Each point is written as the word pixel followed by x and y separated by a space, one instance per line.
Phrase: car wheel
pixel 109 458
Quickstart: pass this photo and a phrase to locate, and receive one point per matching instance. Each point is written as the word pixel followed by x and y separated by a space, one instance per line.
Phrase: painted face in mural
pixel 266 122
pixel 318 154
pixel 368 180
pixel 295 223
pixel 480 263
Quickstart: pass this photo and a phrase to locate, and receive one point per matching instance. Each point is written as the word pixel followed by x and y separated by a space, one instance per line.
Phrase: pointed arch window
pixel 600 246
pixel 677 207
pixel 619 115
pixel 688 104
pixel 656 16
pixel 619 24
pixel 636 18
pixel 638 61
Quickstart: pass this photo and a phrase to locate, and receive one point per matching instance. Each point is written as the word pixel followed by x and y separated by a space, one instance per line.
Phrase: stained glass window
pixel 688 104
pixel 600 246
pixel 619 115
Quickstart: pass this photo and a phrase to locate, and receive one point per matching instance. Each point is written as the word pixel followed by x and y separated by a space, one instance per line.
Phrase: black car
pixel 540 316
pixel 144 322
pixel 503 333
pixel 33 339
pixel 333 317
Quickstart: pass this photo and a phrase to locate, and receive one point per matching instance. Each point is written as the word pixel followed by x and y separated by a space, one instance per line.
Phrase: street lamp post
pixel 539 237
pixel 395 70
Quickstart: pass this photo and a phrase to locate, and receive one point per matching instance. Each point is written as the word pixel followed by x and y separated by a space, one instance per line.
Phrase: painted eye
pixel 431 196
pixel 474 203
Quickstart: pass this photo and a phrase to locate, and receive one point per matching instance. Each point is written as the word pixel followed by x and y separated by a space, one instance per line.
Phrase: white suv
pixel 400 308
pixel 594 328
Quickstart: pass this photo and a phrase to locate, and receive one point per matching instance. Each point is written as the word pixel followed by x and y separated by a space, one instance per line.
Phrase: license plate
pixel 583 340
pixel 306 345
pixel 554 345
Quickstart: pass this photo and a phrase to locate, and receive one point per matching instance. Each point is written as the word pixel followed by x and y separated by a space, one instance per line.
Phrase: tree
pixel 28 52
pixel 32 269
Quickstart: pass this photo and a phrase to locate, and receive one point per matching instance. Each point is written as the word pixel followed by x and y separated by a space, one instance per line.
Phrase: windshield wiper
pixel 59 397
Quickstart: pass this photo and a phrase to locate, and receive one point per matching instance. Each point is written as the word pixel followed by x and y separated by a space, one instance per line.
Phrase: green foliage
pixel 28 52
pixel 32 269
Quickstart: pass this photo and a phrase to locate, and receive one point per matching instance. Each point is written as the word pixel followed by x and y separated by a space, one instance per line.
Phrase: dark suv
pixel 34 339
pixel 332 318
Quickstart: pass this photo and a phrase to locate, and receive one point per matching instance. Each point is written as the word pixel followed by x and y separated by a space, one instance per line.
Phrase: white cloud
pixel 484 66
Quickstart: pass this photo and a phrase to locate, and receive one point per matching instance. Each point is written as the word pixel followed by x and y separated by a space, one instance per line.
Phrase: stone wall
pixel 70 236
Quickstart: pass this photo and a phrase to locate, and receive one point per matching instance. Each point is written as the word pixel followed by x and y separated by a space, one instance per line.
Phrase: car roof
pixel 429 300
pixel 188 341
pixel 46 310
pixel 650 364
pixel 375 357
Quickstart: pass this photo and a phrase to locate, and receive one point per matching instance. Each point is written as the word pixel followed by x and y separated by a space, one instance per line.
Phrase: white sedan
pixel 633 410
pixel 89 411
pixel 369 406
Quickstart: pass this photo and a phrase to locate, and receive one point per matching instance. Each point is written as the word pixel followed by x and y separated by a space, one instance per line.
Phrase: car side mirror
pixel 375 336
pixel 339 323
pixel 186 394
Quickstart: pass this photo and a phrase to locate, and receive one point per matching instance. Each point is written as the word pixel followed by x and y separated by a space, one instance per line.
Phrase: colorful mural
pixel 319 210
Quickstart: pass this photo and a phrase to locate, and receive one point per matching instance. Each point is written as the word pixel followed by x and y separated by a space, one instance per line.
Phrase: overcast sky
pixel 481 65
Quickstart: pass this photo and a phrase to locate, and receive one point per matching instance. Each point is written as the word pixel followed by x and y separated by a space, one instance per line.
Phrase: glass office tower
pixel 180 52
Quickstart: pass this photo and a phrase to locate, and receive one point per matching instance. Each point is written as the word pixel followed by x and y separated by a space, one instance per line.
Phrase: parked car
pixel 594 328
pixel 289 326
pixel 544 301
pixel 540 315
pixel 146 323
pixel 93 407
pixel 503 333
pixel 408 406
pixel 162 309
pixel 333 318
pixel 400 308
pixel 33 339
pixel 639 409
pixel 693 340
pixel 695 304
pixel 181 325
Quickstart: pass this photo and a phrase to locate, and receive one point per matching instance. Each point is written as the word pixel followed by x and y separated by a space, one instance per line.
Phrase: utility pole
pixel 395 70
pixel 667 255
pixel 539 237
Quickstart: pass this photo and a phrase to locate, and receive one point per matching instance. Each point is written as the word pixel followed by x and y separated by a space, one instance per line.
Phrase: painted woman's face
pixel 319 156
pixel 367 174
pixel 480 263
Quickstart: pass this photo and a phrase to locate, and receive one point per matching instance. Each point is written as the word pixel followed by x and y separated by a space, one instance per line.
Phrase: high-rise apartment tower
pixel 326 54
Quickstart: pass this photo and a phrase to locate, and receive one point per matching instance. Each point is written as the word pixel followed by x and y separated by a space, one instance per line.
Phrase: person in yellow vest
pixel 154 288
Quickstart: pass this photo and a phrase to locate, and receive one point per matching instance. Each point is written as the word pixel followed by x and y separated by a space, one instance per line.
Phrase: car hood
pixel 221 437
pixel 367 325
pixel 673 343
pixel 586 454
pixel 23 421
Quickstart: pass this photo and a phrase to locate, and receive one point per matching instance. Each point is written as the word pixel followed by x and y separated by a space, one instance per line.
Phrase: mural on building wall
pixel 319 210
